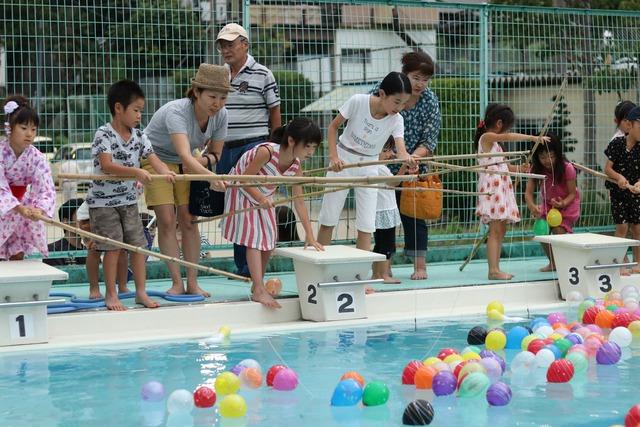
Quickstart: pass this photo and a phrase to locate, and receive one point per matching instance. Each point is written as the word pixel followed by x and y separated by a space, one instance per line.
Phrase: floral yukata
pixel 24 180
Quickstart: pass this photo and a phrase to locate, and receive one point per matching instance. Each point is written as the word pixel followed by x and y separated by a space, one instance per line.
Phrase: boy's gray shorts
pixel 120 223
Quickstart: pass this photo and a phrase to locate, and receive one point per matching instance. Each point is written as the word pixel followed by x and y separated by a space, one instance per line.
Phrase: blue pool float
pixel 76 303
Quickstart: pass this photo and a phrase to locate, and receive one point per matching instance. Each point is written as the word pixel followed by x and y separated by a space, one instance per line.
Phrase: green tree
pixel 295 92
pixel 560 125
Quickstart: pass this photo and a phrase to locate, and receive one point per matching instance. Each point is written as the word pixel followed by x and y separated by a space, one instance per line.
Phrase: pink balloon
pixel 285 380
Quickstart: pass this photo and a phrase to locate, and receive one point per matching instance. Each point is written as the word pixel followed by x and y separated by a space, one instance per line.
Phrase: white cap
pixel 230 32
pixel 82 214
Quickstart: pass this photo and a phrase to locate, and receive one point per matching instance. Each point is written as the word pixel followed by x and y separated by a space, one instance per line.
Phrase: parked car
pixel 72 158
pixel 45 145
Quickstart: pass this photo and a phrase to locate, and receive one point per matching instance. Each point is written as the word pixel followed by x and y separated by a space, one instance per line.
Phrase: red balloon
pixel 458 368
pixel 622 319
pixel 409 372
pixel 633 417
pixel 535 345
pixel 204 397
pixel 560 371
pixel 271 373
pixel 590 314
pixel 446 352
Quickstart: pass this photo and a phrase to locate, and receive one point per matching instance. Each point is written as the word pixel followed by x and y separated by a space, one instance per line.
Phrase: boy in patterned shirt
pixel 117 149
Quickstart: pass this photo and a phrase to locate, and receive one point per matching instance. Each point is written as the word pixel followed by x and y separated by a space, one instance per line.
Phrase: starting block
pixel 331 283
pixel 588 263
pixel 24 295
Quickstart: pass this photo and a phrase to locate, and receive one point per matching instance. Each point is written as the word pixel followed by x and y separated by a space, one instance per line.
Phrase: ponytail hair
pixel 395 83
pixel 301 129
pixel 17 110
pixel 493 113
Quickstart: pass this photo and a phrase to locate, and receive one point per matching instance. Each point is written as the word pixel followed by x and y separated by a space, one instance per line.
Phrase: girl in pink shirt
pixel 558 191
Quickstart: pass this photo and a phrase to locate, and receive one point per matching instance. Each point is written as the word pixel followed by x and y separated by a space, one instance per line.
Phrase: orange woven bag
pixel 422 204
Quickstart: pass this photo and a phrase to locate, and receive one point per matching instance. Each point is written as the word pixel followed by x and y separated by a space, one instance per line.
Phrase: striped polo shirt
pixel 255 92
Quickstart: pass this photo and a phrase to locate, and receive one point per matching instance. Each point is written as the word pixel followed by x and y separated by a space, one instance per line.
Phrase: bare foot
pixel 176 289
pixel 264 298
pixel 197 290
pixel 548 267
pixel 95 294
pixel 391 280
pixel 625 272
pixel 419 275
pixel 500 275
pixel 113 303
pixel 635 270
pixel 145 300
pixel 123 290
pixel 369 291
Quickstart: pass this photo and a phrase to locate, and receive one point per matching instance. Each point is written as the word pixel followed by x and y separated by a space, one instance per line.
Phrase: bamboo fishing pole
pixel 491 172
pixel 140 250
pixel 419 160
pixel 601 175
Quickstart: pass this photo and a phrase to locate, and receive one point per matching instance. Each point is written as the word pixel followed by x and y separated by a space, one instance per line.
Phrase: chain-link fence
pixel 64 55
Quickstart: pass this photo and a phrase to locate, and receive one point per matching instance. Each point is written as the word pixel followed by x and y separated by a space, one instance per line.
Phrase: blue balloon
pixel 347 393
pixel 555 350
pixel 538 320
pixel 515 336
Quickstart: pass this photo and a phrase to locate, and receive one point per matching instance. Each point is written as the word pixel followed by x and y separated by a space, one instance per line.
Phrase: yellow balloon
pixel 495 315
pixel 495 340
pixel 452 358
pixel 233 406
pixel 471 356
pixel 554 217
pixel 225 331
pixel 495 306
pixel 430 361
pixel 227 383
pixel 526 341
pixel 634 328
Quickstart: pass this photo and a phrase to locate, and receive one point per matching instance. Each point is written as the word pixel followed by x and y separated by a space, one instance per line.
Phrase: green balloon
pixel 473 385
pixel 540 227
pixel 375 393
pixel 563 345
pixel 579 361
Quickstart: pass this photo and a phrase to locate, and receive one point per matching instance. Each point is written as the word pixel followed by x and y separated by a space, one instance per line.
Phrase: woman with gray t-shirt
pixel 176 130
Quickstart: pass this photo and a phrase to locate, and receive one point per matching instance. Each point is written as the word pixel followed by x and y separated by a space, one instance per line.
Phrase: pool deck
pixel 446 294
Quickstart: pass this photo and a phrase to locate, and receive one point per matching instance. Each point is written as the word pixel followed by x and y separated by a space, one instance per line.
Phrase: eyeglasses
pixel 418 79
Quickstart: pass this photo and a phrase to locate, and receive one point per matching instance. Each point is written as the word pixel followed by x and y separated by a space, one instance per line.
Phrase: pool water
pixel 100 386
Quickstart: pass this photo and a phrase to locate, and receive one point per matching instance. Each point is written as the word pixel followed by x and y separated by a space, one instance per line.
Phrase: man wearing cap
pixel 253 107
pixel 176 130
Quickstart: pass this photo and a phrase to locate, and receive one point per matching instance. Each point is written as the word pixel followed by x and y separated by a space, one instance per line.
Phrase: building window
pixel 356 56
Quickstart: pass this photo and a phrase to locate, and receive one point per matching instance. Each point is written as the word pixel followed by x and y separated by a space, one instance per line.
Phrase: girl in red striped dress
pixel 257 228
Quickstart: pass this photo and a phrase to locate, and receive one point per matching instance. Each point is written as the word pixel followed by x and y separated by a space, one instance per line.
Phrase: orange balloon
pixel 354 376
pixel 273 286
pixel 604 319
pixel 251 377
pixel 559 325
pixel 424 377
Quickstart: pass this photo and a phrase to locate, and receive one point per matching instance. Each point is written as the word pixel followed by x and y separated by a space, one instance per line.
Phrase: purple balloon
pixel 237 369
pixel 498 394
pixel 487 353
pixel 609 353
pixel 594 328
pixel 575 338
pixel 493 367
pixel 444 383
pixel 285 380
pixel 152 391
pixel 500 360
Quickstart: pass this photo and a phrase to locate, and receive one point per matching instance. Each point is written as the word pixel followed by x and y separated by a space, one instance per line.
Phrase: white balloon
pixel 523 362
pixel 544 357
pixel 621 336
pixel 545 330
pixel 180 400
pixel 250 363
pixel 574 297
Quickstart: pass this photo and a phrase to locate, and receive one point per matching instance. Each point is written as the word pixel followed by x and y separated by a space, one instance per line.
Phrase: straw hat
pixel 232 31
pixel 213 77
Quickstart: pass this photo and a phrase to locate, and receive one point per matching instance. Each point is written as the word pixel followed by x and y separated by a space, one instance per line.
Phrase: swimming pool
pixel 101 385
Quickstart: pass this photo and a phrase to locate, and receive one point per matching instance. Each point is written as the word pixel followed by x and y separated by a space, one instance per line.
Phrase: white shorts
pixel 366 198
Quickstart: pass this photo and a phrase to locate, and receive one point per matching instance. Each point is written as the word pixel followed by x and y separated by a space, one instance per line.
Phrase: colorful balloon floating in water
pixel 560 371
pixel 499 394
pixel 444 383
pixel 409 372
pixel 285 380
pixel 474 385
pixel 273 286
pixel 609 353
pixel 477 335
pixel 353 375
pixel 633 416
pixel 540 227
pixel 375 393
pixel 180 401
pixel 418 413
pixel 227 383
pixel 204 397
pixel 271 373
pixel 554 218
pixel 233 406
pixel 347 393
pixel 251 378
pixel 496 340
pixel 152 391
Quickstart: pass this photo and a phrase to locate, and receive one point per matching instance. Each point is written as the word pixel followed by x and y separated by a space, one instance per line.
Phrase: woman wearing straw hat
pixel 175 131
